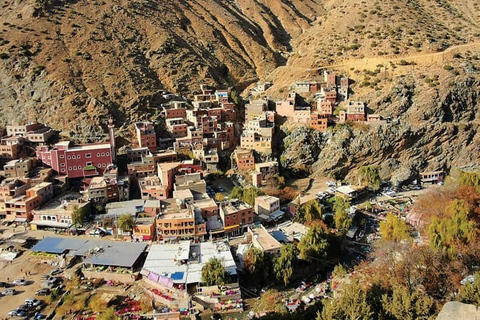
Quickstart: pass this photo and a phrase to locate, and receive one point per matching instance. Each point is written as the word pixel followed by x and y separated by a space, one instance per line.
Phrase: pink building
pixel 76 161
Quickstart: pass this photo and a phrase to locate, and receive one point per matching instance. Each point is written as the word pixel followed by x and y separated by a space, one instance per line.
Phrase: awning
pixel 235 226
pixel 147 237
pixel 20 219
pixel 52 224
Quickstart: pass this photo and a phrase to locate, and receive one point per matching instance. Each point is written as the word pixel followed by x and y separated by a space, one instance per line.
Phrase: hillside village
pixel 189 191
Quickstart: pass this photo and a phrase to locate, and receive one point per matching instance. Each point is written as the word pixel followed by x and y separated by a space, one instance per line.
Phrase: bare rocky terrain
pixel 74 64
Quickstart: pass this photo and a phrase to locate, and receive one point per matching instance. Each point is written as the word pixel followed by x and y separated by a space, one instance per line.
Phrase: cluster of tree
pixel 309 211
pixel 369 176
pixel 125 222
pixel 79 215
pixel 342 221
pixel 247 194
pixel 357 301
pixel 285 195
pixel 214 273
pixel 395 229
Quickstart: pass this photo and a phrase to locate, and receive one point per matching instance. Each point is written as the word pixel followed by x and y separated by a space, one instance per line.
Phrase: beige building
pixel 262 240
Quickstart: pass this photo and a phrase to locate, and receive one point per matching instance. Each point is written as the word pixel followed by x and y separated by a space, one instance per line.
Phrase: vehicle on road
pixel 19 282
pixel 8 292
pixel 17 313
pixel 33 302
pixel 56 271
pixel 42 292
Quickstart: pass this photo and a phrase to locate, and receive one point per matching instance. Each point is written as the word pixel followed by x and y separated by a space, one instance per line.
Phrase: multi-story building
pixel 355 111
pixel 20 208
pixel 9 148
pixel 263 240
pixel 236 216
pixel 318 122
pixel 266 205
pixel 151 188
pixel 244 159
pixel 57 213
pixel 175 109
pixel 11 188
pixel 19 167
pixel 206 207
pixel 255 108
pixel 325 108
pixel 193 181
pixel 286 107
pixel 178 221
pixel 76 161
pixel 146 136
pixel 177 127
pixel 144 229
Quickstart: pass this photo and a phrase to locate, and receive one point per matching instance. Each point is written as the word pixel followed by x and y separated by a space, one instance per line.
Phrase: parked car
pixel 25 307
pixel 17 313
pixel 42 292
pixel 56 271
pixel 8 292
pixel 33 302
pixel 19 282
pixel 39 316
pixel 4 285
pixel 221 189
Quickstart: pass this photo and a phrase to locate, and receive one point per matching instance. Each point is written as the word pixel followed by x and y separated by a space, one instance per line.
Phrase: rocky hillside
pixel 434 126
pixel 73 63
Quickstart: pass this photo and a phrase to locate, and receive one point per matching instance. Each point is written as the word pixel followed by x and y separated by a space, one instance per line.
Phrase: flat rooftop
pixel 96 252
pixel 234 206
pixel 264 239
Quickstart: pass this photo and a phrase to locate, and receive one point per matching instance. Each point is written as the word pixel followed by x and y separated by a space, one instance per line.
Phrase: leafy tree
pixel 470 292
pixel 270 301
pixel 284 264
pixel 236 193
pixel 247 195
pixel 97 303
pixel 455 228
pixel 310 211
pixel 126 222
pixel 257 264
pixel 394 229
pixel 339 271
pixel 108 314
pixel 368 175
pixel 219 197
pixel 342 221
pixel 403 304
pixel 78 215
pixel 214 273
pixel 471 179
pixel 351 305
pixel 314 244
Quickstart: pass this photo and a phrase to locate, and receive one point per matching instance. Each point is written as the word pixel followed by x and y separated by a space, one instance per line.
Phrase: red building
pixel 76 161
pixel 146 136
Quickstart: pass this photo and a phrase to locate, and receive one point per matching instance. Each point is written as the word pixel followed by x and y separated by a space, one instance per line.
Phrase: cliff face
pixel 431 129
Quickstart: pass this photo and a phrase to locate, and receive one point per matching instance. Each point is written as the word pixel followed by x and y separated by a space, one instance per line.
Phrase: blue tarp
pixel 177 276
pixel 58 245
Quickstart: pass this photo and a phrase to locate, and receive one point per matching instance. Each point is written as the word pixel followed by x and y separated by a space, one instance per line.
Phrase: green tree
pixel 214 273
pixel 470 292
pixel 342 221
pixel 310 211
pixel 369 176
pixel 78 215
pixel 339 271
pixel 314 244
pixel 257 264
pixel 284 264
pixel 351 305
pixel 108 314
pixel 126 222
pixel 270 301
pixel 471 179
pixel 395 229
pixel 455 228
pixel 403 304
pixel 97 303
pixel 247 195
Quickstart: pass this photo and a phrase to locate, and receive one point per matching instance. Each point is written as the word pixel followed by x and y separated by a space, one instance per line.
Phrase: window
pixel 98 154
pixel 107 154
pixel 103 154
pixel 78 156
pixel 89 163
pixel 62 156
pixel 88 155
pixel 70 168
pixel 62 164
pixel 68 157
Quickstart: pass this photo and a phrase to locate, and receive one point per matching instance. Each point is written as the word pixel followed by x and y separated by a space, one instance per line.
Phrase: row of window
pixel 87 155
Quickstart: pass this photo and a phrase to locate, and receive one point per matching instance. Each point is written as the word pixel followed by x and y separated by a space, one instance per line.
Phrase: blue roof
pixel 58 245
pixel 177 276
pixel 96 252
pixel 280 236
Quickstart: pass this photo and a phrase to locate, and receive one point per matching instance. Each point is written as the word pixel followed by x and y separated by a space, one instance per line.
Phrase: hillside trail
pixel 423 58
